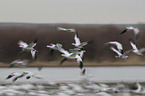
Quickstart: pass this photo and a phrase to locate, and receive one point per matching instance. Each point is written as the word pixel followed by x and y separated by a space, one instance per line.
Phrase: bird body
pixel 29 48
pixel 120 55
pixel 136 50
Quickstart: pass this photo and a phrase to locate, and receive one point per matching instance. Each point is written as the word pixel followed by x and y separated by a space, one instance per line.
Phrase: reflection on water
pixel 59 81
pixel 134 73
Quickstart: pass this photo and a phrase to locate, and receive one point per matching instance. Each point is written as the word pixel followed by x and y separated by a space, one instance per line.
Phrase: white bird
pixel 19 62
pixel 120 55
pixel 118 45
pixel 135 30
pixel 73 56
pixel 29 48
pixel 65 29
pixel 78 43
pixel 54 47
pixel 135 49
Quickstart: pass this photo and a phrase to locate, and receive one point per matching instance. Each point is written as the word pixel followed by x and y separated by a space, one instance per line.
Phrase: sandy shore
pixel 71 63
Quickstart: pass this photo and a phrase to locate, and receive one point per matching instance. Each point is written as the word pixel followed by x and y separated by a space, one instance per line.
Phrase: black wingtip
pixel 84 72
pixel 123 31
pixel 63 59
pixel 28 77
pixel 9 77
pixel 81 65
pixel 35 41
pixel 15 79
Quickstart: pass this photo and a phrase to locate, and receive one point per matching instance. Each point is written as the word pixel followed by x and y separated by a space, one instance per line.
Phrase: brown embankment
pixel 96 52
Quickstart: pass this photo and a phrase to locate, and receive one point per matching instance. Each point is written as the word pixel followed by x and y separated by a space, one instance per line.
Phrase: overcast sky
pixel 73 11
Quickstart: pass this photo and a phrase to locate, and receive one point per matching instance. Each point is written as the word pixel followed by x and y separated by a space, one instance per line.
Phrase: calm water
pixel 103 74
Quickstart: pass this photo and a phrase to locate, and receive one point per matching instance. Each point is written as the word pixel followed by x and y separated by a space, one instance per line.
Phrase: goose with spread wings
pixel 135 49
pixel 29 48
pixel 75 55
pixel 78 43
pixel 132 29
pixel 54 47
pixel 118 45
pixel 65 29
pixel 120 55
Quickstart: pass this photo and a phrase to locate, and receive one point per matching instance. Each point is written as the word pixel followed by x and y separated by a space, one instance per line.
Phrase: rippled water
pixel 59 81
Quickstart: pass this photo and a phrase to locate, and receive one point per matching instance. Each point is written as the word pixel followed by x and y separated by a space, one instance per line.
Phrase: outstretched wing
pixel 64 29
pixel 10 76
pixel 22 44
pixel 33 44
pixel 127 52
pixel 116 51
pixel 125 30
pixel 63 51
pixel 77 40
pixel 61 29
pixel 142 50
pixel 133 45
pixel 62 60
pixel 33 53
pixel 118 45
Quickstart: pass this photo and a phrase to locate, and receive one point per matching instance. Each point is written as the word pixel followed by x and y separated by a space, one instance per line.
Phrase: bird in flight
pixel 65 29
pixel 135 49
pixel 29 47
pixel 132 29
pixel 120 55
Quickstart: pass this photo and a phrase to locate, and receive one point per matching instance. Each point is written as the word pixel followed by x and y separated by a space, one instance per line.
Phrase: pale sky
pixel 73 11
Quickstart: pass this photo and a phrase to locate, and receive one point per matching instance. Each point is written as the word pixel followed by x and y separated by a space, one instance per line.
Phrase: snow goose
pixel 118 45
pixel 65 29
pixel 120 55
pixel 73 56
pixel 29 48
pixel 135 30
pixel 54 47
pixel 135 49
pixel 78 43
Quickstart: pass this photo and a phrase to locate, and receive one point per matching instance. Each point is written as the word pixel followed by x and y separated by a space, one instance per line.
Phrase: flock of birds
pixel 119 48
pixel 72 54
pixel 77 53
